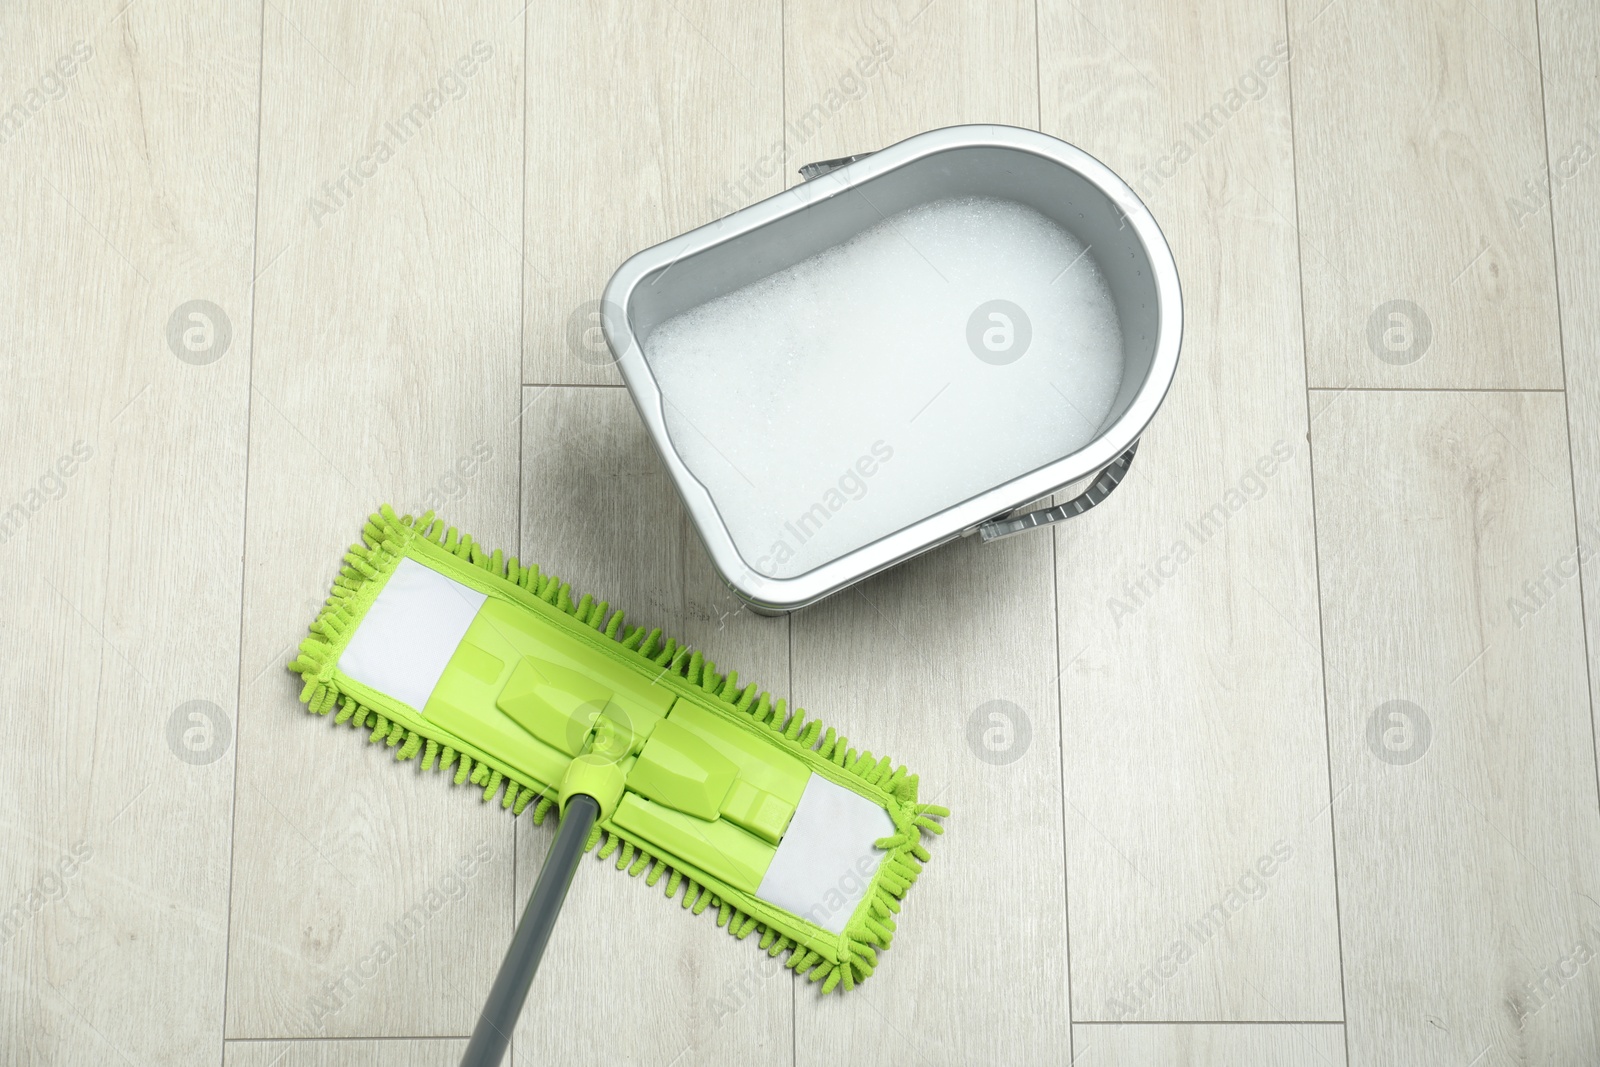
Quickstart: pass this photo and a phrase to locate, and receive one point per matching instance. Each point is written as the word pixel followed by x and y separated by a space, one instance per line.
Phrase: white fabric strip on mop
pixel 409 634
pixel 827 858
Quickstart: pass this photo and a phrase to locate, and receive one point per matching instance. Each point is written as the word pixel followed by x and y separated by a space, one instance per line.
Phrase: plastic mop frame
pixel 469 659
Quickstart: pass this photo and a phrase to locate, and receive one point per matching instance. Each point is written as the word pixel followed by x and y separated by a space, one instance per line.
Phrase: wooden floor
pixel 1312 784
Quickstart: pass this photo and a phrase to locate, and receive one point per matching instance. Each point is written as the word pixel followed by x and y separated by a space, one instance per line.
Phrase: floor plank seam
pixel 244 515
pixel 1316 548
pixel 1566 407
pixel 1429 389
pixel 1208 1022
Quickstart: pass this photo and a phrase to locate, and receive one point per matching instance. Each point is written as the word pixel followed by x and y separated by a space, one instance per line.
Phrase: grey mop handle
pixel 499 1018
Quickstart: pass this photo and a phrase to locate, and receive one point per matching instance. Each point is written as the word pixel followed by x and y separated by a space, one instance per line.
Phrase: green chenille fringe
pixel 821 956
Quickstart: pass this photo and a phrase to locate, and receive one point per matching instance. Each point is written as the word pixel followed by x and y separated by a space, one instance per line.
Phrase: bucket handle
pixel 828 166
pixel 1109 478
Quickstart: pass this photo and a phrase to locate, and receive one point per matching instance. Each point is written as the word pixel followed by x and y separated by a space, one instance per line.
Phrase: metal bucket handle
pixel 1107 480
pixel 826 166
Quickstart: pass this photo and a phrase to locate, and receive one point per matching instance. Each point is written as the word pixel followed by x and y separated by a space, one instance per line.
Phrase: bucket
pixel 778 356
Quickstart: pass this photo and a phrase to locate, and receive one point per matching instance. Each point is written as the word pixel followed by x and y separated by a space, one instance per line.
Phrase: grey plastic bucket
pixel 1060 181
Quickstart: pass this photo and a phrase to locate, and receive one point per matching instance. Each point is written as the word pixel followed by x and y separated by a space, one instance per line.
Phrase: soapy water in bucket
pixel 946 350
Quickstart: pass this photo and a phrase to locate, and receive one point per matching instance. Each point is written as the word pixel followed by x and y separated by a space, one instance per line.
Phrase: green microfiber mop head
pixel 473 660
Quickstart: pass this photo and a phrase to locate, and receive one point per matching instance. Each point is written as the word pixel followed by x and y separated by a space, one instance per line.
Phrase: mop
pixel 469 659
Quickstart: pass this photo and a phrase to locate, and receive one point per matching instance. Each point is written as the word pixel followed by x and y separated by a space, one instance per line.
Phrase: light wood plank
pixel 906 664
pixel 1468 829
pixel 438 1053
pixel 1209 1045
pixel 1571 51
pixel 644 121
pixel 651 982
pixel 1417 133
pixel 859 77
pixel 944 665
pixel 127 164
pixel 1194 751
pixel 386 369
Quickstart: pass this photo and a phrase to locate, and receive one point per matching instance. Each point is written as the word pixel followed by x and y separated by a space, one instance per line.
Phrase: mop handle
pixel 499 1018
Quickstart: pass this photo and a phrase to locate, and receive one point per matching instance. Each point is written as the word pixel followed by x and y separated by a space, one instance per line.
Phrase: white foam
pixel 839 400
